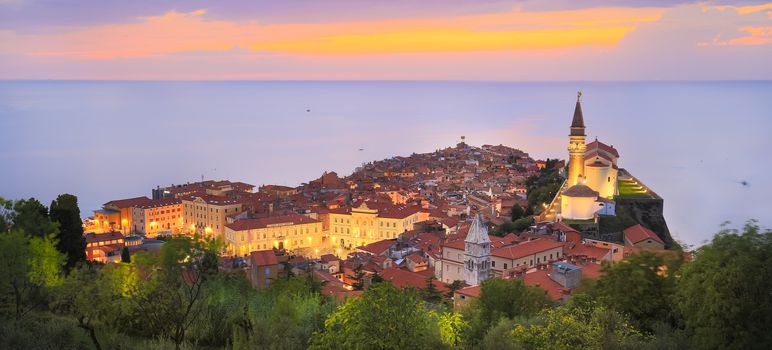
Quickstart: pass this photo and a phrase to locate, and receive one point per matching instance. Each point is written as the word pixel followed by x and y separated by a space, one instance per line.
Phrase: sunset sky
pixel 389 39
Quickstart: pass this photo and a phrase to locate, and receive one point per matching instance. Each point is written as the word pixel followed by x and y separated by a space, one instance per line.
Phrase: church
pixel 591 182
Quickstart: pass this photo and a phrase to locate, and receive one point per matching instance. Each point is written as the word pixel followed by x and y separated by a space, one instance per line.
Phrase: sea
pixel 702 146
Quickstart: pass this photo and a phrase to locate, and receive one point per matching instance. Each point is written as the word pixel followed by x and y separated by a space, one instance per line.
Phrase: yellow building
pixel 117 216
pixel 206 215
pixel 297 233
pixel 158 216
pixel 358 226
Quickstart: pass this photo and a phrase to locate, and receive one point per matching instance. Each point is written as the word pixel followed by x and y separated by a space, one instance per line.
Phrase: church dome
pixel 580 190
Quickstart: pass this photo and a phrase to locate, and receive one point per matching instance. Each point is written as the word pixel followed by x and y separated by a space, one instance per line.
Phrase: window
pixel 505 266
pixel 493 263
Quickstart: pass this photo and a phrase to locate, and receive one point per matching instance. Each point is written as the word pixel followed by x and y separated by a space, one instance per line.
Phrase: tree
pixel 66 213
pixel 431 294
pixel 452 327
pixel 510 298
pixel 358 277
pixel 642 286
pixel 384 317
pixel 571 327
pixel 523 223
pixel 92 297
pixel 453 287
pixel 6 211
pixel 724 294
pixel 31 217
pixel 517 212
pixel 125 255
pixel 172 284
pixel 500 298
pixel 28 267
pixel 377 278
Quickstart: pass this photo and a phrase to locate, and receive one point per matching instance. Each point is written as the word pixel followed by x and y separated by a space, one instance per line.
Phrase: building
pixel 525 255
pixel 159 216
pixel 117 215
pixel 477 253
pixel 222 188
pixel 297 233
pixel 264 267
pixel 104 247
pixel 330 263
pixel 641 237
pixel 592 174
pixel 465 295
pixel 362 225
pixel 206 214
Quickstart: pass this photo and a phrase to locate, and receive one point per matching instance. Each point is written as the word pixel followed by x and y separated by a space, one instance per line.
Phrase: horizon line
pixel 397 80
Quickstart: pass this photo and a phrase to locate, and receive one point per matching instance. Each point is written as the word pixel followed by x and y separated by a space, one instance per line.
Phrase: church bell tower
pixel 477 253
pixel 576 145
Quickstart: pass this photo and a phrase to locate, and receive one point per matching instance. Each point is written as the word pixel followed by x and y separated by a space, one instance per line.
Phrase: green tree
pixel 384 317
pixel 641 286
pixel 358 277
pixel 523 223
pixel 95 297
pixel 452 288
pixel 724 294
pixel 517 212
pixel 510 298
pixel 577 327
pixel 31 217
pixel 500 298
pixel 125 255
pixel 172 287
pixel 66 213
pixel 431 294
pixel 452 327
pixel 28 267
pixel 6 214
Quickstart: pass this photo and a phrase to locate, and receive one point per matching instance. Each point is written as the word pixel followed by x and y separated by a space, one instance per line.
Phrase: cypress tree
pixel 64 211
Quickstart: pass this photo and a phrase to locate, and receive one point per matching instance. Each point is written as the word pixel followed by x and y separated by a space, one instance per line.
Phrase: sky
pixel 386 39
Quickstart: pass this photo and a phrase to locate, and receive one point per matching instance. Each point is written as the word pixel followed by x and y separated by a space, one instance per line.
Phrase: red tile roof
pixel 102 237
pixel 580 191
pixel 404 279
pixel 473 291
pixel 525 249
pixel 587 250
pixel 417 258
pixel 541 279
pixel 252 224
pixel 639 233
pixel 378 248
pixel 130 202
pixel 263 258
pixel 603 147
pixel 328 258
pixel 156 203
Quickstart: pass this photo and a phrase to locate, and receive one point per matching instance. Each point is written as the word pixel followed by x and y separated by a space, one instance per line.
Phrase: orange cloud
pixel 181 32
pixel 742 10
pixel 756 36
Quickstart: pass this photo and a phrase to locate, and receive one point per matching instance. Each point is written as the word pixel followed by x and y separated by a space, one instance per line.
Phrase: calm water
pixel 693 143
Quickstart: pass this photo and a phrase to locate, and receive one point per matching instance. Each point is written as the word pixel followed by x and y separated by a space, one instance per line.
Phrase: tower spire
pixel 576 146
pixel 577 124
